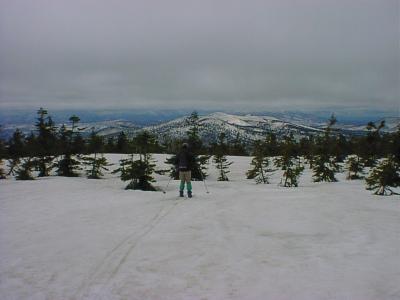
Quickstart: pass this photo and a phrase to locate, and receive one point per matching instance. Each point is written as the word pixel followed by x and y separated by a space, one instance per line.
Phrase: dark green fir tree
pixel 384 176
pixel 16 150
pixel 220 160
pixel 28 165
pixel 3 154
pixel 238 147
pixel 307 149
pixel 290 163
pixel 195 147
pixel 68 165
pixel 45 143
pixel 325 165
pixel 95 162
pixel 355 168
pixel 25 169
pixel 139 172
pixel 371 144
pixel 260 164
pixel 122 145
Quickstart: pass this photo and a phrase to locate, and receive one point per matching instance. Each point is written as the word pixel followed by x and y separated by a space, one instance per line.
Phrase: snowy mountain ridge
pixel 247 127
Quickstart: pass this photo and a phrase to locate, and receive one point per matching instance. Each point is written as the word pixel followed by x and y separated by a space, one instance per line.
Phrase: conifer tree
pixel 384 176
pixel 394 145
pixel 95 164
pixel 307 149
pixel 220 159
pixel 325 165
pixel 2 156
pixel 16 150
pixel 271 144
pixel 68 165
pixel 110 146
pixel 139 172
pixel 289 162
pixel 355 167
pixel 371 144
pixel 24 170
pixel 260 163
pixel 122 143
pixel 46 142
pixel 340 148
pixel 238 147
pixel 196 146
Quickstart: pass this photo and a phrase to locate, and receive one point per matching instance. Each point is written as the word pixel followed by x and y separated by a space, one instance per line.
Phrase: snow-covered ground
pixel 76 238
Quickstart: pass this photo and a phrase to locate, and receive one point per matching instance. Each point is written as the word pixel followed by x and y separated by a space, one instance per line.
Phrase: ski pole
pixel 165 189
pixel 202 178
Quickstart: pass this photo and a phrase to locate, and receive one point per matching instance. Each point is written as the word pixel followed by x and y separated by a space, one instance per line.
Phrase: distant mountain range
pixel 247 127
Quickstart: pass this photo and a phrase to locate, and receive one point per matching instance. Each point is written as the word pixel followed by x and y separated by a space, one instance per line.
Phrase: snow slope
pixel 75 238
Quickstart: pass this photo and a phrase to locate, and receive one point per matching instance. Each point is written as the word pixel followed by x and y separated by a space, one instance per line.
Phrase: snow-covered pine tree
pixel 68 165
pixel 24 171
pixel 46 142
pixel 95 164
pixel 139 172
pixel 220 159
pixel 384 176
pixel 261 164
pixel 325 165
pixel 354 167
pixel 289 162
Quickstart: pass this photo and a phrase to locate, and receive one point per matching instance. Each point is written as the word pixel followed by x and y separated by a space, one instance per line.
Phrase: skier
pixel 184 163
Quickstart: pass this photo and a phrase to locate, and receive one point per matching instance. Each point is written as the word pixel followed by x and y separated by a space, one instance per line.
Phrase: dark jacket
pixel 184 161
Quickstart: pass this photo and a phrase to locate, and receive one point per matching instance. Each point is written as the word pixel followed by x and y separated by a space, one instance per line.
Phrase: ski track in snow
pixel 112 262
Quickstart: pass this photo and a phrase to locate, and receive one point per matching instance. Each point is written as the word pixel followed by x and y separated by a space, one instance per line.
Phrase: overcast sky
pixel 222 54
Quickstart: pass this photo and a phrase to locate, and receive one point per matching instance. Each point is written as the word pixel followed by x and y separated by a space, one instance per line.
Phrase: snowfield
pixel 76 238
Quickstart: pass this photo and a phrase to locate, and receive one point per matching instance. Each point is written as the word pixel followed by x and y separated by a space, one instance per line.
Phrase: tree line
pixel 65 150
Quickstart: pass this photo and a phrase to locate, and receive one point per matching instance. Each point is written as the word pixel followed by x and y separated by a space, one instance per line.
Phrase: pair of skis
pixel 165 189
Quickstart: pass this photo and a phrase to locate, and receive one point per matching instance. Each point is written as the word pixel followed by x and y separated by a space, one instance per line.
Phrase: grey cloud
pixel 203 54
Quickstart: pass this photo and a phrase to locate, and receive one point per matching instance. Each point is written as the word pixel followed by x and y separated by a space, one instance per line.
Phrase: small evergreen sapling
pixel 16 150
pixel 24 171
pixel 260 163
pixel 289 162
pixel 325 165
pixel 68 166
pixel 220 159
pixel 95 164
pixel 195 146
pixel 384 176
pixel 139 172
pixel 45 142
pixel 355 168
pixel 2 156
pixel 371 144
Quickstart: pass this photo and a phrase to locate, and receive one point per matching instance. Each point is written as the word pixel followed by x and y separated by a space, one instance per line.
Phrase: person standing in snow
pixel 184 164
